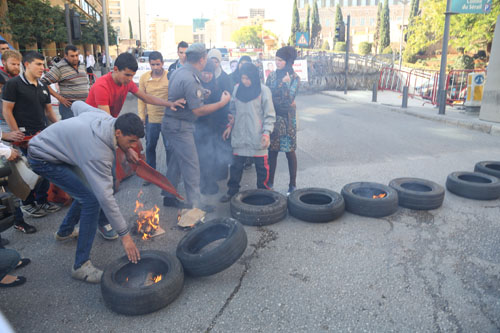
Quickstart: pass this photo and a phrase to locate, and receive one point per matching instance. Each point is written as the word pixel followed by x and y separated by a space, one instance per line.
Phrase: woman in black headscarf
pixel 235 76
pixel 254 116
pixel 284 85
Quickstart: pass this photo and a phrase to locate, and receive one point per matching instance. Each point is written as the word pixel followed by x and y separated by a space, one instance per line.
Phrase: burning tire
pixel 473 185
pixel 316 204
pixel 258 207
pixel 418 194
pixel 488 167
pixel 201 254
pixel 151 284
pixel 370 199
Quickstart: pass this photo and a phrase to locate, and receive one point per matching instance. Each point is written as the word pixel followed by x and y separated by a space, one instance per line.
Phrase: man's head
pixel 71 55
pixel 33 63
pixel 4 46
pixel 88 53
pixel 128 130
pixel 124 69
pixel 196 55
pixel 181 51
pixel 156 62
pixel 11 61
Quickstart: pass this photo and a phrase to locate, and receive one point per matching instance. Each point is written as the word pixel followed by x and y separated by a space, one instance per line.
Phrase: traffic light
pixel 340 32
pixel 76 30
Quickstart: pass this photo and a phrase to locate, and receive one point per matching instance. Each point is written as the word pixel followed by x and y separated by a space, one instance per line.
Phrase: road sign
pixel 471 6
pixel 479 79
pixel 302 39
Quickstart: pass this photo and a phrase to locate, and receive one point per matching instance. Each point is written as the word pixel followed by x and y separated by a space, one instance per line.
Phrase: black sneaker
pixel 24 227
pixel 173 202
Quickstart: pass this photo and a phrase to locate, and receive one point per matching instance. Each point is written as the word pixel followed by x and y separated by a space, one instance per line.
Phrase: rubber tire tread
pixel 470 190
pixel 367 206
pixel 217 259
pixel 481 167
pixel 254 215
pixel 139 301
pixel 418 200
pixel 316 213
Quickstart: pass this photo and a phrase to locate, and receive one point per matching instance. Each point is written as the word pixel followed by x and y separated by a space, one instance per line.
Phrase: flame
pixel 157 278
pixel 148 221
pixel 382 195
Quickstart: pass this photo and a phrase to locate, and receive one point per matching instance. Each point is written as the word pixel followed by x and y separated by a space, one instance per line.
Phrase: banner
pixel 299 66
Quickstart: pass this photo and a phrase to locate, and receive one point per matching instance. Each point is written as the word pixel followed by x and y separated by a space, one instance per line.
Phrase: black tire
pixel 216 259
pixel 315 204
pixel 258 207
pixel 418 194
pixel 358 200
pixel 125 298
pixel 473 185
pixel 488 167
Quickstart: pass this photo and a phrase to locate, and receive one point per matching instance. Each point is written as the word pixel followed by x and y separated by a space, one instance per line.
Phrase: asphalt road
pixel 413 271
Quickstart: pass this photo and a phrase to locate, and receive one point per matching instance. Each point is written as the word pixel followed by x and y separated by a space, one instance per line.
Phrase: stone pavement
pixel 389 100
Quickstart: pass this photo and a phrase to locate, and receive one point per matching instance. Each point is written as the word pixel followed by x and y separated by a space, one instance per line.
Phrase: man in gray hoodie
pixel 77 155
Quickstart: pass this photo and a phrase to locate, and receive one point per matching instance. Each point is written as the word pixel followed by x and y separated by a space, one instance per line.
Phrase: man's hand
pixel 64 101
pixel 13 136
pixel 133 253
pixel 132 156
pixel 178 103
pixel 264 141
pixel 230 118
pixel 14 155
pixel 226 97
pixel 226 134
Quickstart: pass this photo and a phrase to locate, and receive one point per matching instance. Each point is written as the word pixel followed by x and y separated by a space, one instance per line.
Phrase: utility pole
pixel 68 22
pixel 444 55
pixel 347 42
pixel 105 27
pixel 404 2
pixel 140 29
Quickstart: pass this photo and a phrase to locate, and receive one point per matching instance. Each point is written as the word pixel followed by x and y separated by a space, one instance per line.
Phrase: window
pixel 353 21
pixel 327 23
pixel 372 21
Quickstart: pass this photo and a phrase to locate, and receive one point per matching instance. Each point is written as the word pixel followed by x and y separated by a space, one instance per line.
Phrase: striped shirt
pixel 73 84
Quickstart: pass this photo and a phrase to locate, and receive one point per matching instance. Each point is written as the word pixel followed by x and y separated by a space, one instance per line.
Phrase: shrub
pixel 325 46
pixel 387 50
pixel 365 48
pixel 464 62
pixel 340 47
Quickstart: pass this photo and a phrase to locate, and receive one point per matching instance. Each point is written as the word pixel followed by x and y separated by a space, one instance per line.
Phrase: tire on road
pixel 315 204
pixel 489 167
pixel 199 260
pixel 359 199
pixel 258 207
pixel 122 285
pixel 473 185
pixel 418 194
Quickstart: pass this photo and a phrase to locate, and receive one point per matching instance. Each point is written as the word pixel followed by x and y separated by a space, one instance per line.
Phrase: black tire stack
pixel 417 193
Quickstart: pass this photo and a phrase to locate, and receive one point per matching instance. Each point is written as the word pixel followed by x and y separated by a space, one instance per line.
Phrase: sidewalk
pixel 389 100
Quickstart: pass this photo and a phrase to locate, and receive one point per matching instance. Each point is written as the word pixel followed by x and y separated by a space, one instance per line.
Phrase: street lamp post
pixel 404 2
pixel 105 28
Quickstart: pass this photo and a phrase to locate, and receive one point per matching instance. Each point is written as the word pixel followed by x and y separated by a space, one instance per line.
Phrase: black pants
pixel 236 171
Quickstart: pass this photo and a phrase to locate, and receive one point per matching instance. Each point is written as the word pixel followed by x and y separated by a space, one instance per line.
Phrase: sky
pixel 183 11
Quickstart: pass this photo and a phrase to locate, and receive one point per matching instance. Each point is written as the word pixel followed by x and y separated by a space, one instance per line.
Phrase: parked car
pixel 224 52
pixel 144 56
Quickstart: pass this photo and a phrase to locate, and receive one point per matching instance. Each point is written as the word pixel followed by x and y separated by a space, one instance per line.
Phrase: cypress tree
pixel 338 19
pixel 307 27
pixel 130 29
pixel 295 24
pixel 385 31
pixel 376 39
pixel 315 26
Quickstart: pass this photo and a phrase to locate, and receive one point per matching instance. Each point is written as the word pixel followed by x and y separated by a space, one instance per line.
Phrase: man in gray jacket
pixel 77 155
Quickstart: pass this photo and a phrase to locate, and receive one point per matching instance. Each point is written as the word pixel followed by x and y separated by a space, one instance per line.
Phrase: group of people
pixel 208 120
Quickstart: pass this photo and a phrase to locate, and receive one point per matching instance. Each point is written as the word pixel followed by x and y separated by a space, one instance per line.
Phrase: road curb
pixel 462 123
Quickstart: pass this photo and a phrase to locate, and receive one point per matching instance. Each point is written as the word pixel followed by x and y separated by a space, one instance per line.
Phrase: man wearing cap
pixel 178 126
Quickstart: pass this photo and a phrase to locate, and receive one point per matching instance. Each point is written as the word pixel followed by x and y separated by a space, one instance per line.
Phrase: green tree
pixel 249 35
pixel 365 48
pixel 339 19
pixel 326 45
pixel 315 26
pixel 295 24
pixel 376 38
pixel 307 24
pixel 130 29
pixel 385 30
pixel 340 47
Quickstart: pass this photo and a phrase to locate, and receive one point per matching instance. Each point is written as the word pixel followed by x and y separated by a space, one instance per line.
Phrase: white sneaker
pixel 87 272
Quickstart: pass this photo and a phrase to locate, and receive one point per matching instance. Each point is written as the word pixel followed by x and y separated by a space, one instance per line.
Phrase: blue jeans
pixel 153 131
pixel 65 112
pixel 85 206
pixel 38 194
pixel 8 261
